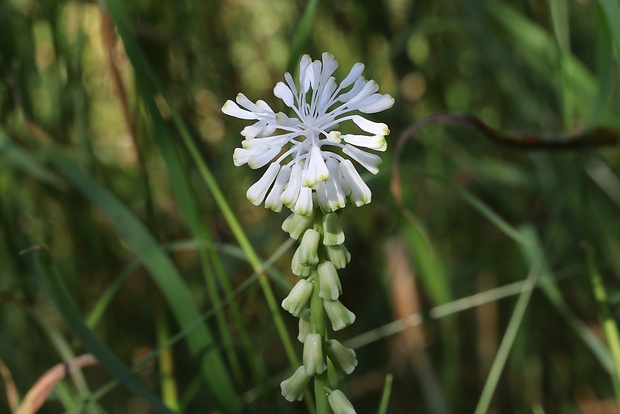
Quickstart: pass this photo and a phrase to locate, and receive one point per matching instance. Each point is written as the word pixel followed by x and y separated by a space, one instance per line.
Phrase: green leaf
pixel 301 34
pixel 533 252
pixel 26 162
pixel 146 73
pixel 167 278
pixel 541 52
pixel 501 224
pixel 67 309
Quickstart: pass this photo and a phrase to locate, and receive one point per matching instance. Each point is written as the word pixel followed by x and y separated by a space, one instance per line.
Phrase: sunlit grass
pixel 150 247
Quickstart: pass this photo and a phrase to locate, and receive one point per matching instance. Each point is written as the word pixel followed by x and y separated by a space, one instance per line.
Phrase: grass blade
pixel 301 34
pixel 68 310
pixel 133 51
pixel 609 324
pixel 531 251
pixel 385 396
pixel 611 11
pixel 540 51
pixel 166 276
pixel 26 162
pixel 491 215
pixel 513 328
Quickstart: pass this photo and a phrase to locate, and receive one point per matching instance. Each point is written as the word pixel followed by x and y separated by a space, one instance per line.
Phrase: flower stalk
pixel 317 325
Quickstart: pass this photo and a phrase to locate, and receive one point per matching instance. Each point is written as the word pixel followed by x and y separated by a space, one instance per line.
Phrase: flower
pixel 313 355
pixel 338 255
pixel 304 325
pixel 342 357
pixel 295 225
pixel 308 250
pixel 298 298
pixel 293 388
pixel 338 314
pixel 298 268
pixel 301 148
pixel 332 230
pixel 329 282
pixel 339 403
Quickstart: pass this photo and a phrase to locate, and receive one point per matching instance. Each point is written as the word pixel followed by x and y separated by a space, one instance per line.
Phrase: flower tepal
pixel 309 157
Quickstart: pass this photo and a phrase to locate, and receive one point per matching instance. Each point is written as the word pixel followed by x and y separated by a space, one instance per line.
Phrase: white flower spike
pixel 307 145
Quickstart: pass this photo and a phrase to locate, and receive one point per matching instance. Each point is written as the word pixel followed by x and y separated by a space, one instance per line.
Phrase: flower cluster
pixel 311 173
pixel 319 255
pixel 305 170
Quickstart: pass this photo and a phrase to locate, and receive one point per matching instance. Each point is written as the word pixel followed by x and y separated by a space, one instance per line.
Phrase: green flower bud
pixel 329 281
pixel 313 354
pixel 298 268
pixel 304 325
pixel 308 249
pixel 339 403
pixel 295 225
pixel 332 230
pixel 343 358
pixel 338 314
pixel 293 388
pixel 298 298
pixel 338 255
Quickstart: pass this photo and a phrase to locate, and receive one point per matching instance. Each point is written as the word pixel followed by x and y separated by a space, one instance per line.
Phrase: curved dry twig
pixel 547 141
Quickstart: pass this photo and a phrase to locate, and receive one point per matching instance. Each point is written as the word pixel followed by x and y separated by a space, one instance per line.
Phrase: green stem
pixel 168 383
pixel 607 321
pixel 317 325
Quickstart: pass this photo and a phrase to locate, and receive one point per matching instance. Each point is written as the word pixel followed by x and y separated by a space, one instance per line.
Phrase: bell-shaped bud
pixel 338 314
pixel 295 225
pixel 329 282
pixel 297 299
pixel 333 234
pixel 343 358
pixel 298 268
pixel 304 325
pixel 309 248
pixel 293 388
pixel 339 403
pixel 338 255
pixel 314 363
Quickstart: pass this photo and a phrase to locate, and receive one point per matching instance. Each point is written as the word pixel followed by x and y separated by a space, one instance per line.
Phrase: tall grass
pixel 490 285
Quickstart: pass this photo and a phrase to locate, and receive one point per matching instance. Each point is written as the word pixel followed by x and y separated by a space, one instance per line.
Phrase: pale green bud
pixel 298 298
pixel 314 363
pixel 339 403
pixel 304 325
pixel 338 314
pixel 293 388
pixel 309 248
pixel 342 357
pixel 295 225
pixel 298 268
pixel 338 255
pixel 332 230
pixel 329 282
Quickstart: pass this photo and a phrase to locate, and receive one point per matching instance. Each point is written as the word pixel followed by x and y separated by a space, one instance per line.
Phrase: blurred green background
pixel 116 159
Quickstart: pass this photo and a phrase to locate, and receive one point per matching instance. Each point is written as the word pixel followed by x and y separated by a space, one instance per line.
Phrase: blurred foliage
pixel 84 169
